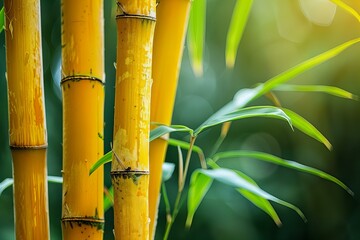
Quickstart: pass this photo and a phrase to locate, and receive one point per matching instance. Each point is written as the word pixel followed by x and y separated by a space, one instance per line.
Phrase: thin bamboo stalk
pixel 130 164
pixel 170 31
pixel 28 138
pixel 83 106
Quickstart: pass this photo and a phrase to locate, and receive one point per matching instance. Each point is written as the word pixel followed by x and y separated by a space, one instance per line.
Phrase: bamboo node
pixel 138 16
pixel 134 175
pixel 77 78
pixel 30 147
pixel 99 223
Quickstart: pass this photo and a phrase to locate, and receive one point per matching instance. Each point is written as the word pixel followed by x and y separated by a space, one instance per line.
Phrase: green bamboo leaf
pixel 236 29
pixel 245 96
pixel 7 182
pixel 347 8
pixel 167 171
pixel 281 162
pixel 2 18
pixel 232 179
pixel 199 186
pixel 109 199
pixel 196 35
pixel 335 91
pixel 257 111
pixel 156 133
pixel 258 201
pixel 163 129
pixel 306 127
pixel 55 179
pixel 104 159
pixel 304 66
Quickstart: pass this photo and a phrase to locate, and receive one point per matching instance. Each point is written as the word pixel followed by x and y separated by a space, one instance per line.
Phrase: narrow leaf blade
pixel 347 8
pixel 335 91
pixel 236 29
pixel 258 201
pixel 7 182
pixel 104 159
pixel 245 96
pixel 109 198
pixel 237 114
pixel 167 171
pixel 281 162
pixel 306 127
pixel 230 178
pixel 199 186
pixel 2 19
pixel 163 129
pixel 196 35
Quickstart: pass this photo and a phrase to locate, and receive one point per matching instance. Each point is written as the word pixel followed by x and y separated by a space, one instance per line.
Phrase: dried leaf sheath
pixel 83 108
pixel 130 164
pixel 28 139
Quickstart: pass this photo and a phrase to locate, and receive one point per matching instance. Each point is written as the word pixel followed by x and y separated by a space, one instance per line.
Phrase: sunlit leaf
pixel 236 29
pixel 199 186
pixel 196 35
pixel 244 96
pixel 232 179
pixel 2 18
pixel 104 159
pixel 163 129
pixel 258 201
pixel 282 162
pixel 167 171
pixel 335 91
pixel 347 8
pixel 257 111
pixel 306 127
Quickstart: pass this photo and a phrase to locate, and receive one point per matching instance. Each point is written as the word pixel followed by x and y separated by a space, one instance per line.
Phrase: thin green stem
pixel 167 203
pixel 180 190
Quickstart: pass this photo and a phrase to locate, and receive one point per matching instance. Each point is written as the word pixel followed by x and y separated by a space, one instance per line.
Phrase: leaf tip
pixel 354 97
pixel 230 61
pixel 197 67
pixel 328 145
pixel 278 223
pixel 350 192
pixel 188 221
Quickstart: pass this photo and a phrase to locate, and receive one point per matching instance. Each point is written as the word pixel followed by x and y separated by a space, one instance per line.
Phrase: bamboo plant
pixel 28 137
pixel 83 106
pixel 130 164
pixel 170 31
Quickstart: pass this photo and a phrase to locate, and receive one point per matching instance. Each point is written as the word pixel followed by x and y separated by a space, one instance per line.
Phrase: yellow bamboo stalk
pixel 130 164
pixel 170 31
pixel 83 106
pixel 28 139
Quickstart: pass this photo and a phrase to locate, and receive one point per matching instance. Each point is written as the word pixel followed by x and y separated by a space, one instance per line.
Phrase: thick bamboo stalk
pixel 130 164
pixel 83 107
pixel 170 31
pixel 28 139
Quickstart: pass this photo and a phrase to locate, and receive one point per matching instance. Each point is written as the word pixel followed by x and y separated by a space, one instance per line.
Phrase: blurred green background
pixel 279 34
